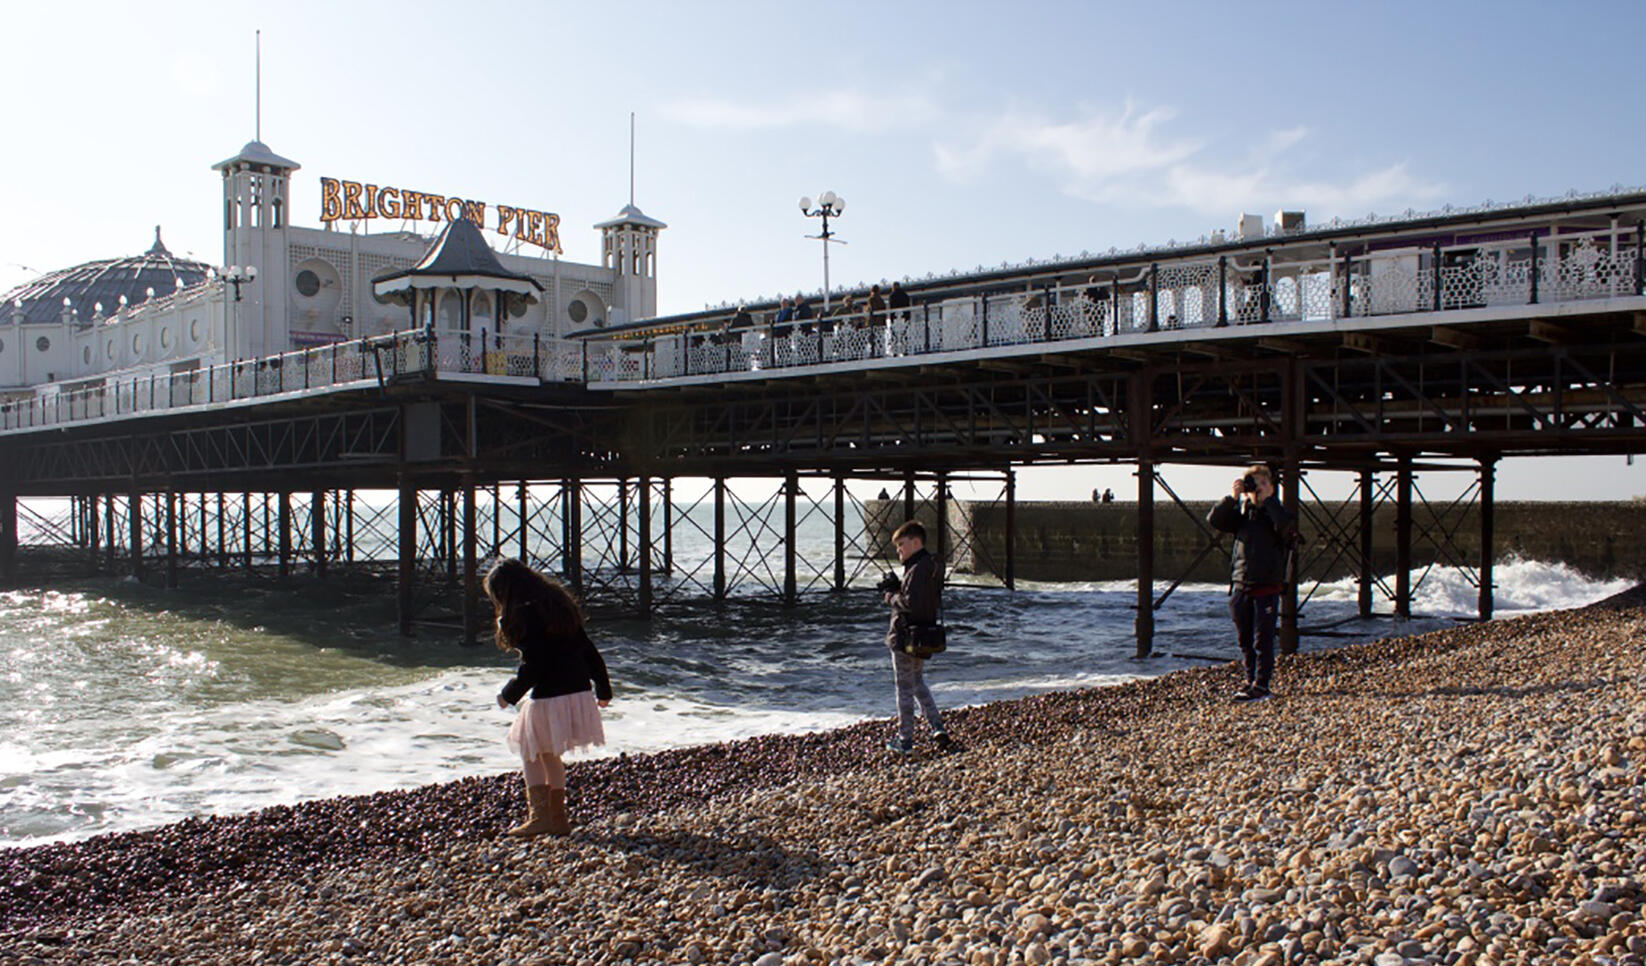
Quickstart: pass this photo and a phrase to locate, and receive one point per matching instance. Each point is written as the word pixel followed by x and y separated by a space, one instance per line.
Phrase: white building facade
pixel 282 288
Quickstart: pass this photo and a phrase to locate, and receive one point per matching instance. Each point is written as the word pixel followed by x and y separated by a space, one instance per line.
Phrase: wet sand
pixel 1471 796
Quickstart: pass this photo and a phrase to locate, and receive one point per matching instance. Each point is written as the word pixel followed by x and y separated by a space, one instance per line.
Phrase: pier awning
pixel 459 258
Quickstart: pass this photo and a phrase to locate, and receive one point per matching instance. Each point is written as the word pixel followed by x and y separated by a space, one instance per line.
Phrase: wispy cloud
pixel 1093 149
pixel 1131 157
pixel 848 109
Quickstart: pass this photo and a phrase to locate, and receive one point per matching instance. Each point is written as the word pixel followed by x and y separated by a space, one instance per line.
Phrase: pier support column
pixel 668 526
pixel 1403 539
pixel 284 507
pixel 1488 552
pixel 942 544
pixel 720 538
pixel 245 530
pixel 497 521
pixel 448 531
pixel 135 520
pixel 644 494
pixel 8 536
pixel 471 578
pixel 571 533
pixel 1367 511
pixel 108 532
pixel 1291 480
pixel 791 592
pixel 407 534
pixel 348 527
pixel 839 533
pixel 908 500
pixel 1145 557
pixel 522 494
pixel 1011 530
pixel 623 526
pixel 171 537
pixel 94 532
pixel 222 533
pixel 317 532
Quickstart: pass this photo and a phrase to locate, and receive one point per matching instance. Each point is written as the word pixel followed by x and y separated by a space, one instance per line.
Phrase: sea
pixel 125 706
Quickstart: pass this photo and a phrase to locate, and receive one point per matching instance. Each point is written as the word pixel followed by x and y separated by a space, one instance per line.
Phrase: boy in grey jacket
pixel 914 602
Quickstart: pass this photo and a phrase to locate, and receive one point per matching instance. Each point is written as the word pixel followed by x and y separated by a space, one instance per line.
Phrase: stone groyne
pixel 1076 541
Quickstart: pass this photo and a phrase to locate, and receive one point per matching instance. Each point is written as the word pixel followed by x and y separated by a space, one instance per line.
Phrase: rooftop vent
pixel 1250 227
pixel 1288 222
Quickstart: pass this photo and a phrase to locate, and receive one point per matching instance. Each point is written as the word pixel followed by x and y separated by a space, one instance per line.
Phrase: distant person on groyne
pixel 1264 535
pixel 914 600
pixel 542 621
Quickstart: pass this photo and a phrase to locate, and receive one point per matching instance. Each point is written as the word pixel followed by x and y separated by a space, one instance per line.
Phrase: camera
pixel 1248 483
pixel 889 584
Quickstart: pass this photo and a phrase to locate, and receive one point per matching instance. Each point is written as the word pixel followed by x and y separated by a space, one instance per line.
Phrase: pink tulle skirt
pixel 556 725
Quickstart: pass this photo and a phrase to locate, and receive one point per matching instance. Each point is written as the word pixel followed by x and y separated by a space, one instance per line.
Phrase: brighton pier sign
pixel 354 201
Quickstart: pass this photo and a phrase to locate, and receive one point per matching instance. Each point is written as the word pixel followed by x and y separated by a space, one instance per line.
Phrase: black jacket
pixel 916 601
pixel 1262 535
pixel 553 666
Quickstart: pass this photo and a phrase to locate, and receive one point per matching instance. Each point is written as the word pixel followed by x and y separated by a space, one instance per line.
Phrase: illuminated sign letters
pixel 353 201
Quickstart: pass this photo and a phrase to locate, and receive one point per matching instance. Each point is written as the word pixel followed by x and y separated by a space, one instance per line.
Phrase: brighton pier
pixel 1387 350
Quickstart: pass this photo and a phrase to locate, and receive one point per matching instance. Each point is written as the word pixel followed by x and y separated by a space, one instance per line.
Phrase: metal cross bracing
pixel 958 419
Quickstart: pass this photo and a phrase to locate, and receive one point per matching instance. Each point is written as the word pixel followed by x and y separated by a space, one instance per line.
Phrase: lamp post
pixel 829 205
pixel 237 275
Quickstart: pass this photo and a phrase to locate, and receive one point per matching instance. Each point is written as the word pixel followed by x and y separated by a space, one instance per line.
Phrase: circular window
pixel 137 344
pixel 42 343
pixel 2 345
pixel 578 311
pixel 194 330
pixel 165 338
pixel 85 355
pixel 109 350
pixel 308 283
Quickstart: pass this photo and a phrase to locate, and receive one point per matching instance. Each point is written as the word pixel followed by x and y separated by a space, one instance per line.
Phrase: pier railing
pixel 1514 269
pixel 338 365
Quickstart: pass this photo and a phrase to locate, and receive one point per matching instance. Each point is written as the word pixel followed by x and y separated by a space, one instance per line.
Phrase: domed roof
pixel 103 281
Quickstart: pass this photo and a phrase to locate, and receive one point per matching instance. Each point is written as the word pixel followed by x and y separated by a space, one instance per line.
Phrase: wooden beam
pixel 1291 347
pixel 1454 338
pixel 1363 342
pixel 993 365
pixel 1545 331
pixel 1134 355
pixel 1061 361
pixel 1212 350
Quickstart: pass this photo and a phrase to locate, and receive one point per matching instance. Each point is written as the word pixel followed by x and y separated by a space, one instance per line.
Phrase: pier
pixel 1377 353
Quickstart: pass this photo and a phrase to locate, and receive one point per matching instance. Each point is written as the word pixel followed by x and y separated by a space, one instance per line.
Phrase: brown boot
pixel 558 823
pixel 537 820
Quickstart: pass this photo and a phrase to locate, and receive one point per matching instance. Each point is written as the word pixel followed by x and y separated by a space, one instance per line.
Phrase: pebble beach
pixel 1471 796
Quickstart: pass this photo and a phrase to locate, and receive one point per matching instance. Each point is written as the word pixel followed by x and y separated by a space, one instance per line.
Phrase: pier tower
pixel 256 210
pixel 628 245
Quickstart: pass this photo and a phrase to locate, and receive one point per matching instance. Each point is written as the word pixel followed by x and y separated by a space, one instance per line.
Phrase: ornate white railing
pixel 1160 297
pixel 334 366
pixel 1536 267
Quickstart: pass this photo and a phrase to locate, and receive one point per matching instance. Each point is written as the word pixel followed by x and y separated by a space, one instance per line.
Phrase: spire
pixel 159 247
pixel 258 131
pixel 631 159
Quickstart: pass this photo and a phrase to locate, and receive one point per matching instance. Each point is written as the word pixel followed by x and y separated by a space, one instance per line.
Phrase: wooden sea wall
pixel 1075 541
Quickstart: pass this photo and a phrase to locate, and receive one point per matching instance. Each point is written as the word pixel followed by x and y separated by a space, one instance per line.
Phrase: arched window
pixel 480 313
pixel 451 310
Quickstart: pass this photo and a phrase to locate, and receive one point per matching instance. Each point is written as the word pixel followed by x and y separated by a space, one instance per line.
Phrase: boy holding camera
pixel 913 600
pixel 1264 536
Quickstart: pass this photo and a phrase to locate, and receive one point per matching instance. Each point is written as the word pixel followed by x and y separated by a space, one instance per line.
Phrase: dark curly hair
pixel 529 604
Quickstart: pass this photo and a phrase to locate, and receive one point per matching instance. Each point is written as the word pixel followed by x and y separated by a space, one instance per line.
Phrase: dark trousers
pixel 1254 619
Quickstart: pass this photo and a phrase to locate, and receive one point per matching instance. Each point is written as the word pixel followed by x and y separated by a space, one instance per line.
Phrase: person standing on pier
pixel 542 622
pixel 915 601
pixel 1264 535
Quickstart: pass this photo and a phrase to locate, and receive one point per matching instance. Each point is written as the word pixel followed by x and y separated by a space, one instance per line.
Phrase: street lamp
pixel 237 275
pixel 829 205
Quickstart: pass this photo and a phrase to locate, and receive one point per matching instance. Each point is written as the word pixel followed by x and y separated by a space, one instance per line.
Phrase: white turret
pixel 628 245
pixel 256 202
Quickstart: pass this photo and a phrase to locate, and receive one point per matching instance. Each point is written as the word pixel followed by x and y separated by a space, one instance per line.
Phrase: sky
pixel 960 134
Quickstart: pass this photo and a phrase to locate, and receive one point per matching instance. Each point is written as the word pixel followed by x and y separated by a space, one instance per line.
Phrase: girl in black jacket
pixel 541 621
